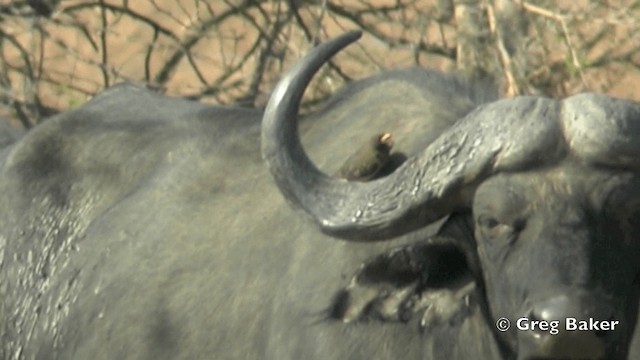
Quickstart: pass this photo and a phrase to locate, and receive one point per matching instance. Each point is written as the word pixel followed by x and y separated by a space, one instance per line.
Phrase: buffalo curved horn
pixel 421 191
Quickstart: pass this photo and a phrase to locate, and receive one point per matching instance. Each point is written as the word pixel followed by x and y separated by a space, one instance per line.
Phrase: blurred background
pixel 57 54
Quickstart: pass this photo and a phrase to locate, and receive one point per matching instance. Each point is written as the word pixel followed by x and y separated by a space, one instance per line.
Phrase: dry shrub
pixel 57 54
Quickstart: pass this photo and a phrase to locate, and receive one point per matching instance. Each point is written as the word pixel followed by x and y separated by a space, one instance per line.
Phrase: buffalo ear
pixel 433 264
pixel 401 284
pixel 458 230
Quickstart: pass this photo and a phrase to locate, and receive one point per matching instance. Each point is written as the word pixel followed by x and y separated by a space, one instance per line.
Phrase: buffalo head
pixel 552 189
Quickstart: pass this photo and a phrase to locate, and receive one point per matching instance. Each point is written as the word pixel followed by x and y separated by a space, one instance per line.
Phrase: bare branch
pixel 565 33
pixel 233 51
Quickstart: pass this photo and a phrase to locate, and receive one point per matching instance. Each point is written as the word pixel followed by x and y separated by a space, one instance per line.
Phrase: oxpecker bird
pixel 365 164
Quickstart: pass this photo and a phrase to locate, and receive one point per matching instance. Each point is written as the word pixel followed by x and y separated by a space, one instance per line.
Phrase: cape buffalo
pixel 144 227
pixel 551 193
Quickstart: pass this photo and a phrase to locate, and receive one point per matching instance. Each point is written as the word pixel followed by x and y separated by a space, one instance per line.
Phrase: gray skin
pixel 550 191
pixel 143 227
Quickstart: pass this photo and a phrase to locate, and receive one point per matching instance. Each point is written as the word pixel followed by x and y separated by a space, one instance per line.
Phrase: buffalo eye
pixel 493 228
pixel 488 222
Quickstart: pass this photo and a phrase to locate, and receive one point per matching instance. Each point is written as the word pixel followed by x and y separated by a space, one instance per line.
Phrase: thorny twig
pixel 565 34
pixel 507 63
pixel 254 40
